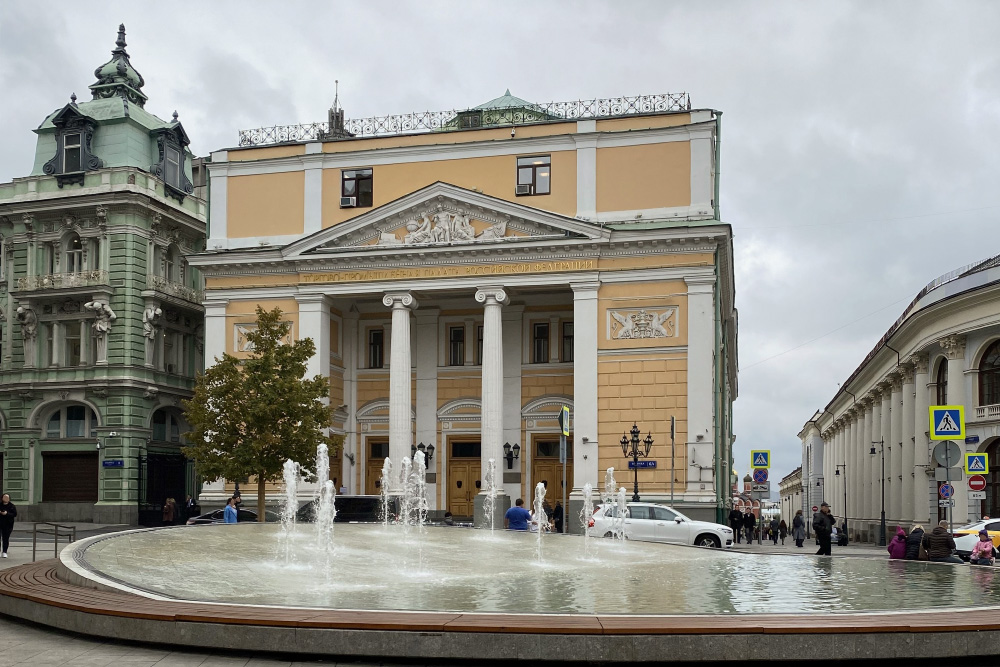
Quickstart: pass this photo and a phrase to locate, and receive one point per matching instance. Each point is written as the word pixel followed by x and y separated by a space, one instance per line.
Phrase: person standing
pixel 189 507
pixel 940 545
pixel 7 515
pixel 517 518
pixel 230 515
pixel 736 523
pixel 168 512
pixel 782 531
pixel 798 529
pixel 749 523
pixel 823 525
pixel 557 516
pixel 774 530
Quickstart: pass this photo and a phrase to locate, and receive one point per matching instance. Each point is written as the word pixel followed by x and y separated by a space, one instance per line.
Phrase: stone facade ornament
pixel 443 227
pixel 103 317
pixel 920 363
pixel 636 323
pixel 954 347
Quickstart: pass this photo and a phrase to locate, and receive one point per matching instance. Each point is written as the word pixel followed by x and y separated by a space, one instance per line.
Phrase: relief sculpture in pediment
pixel 443 227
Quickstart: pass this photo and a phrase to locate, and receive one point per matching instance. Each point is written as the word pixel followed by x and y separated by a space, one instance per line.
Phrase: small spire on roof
pixel 72 99
pixel 175 115
pixel 507 92
pixel 336 94
pixel 120 42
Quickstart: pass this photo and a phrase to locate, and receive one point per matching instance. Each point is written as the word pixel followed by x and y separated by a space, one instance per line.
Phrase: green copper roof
pixel 505 101
pixel 117 77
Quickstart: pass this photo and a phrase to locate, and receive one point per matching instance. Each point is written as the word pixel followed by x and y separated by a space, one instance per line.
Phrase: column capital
pixel 896 380
pixel 700 284
pixel 920 363
pixel 491 295
pixel 954 347
pixel 399 300
pixel 317 301
pixel 582 289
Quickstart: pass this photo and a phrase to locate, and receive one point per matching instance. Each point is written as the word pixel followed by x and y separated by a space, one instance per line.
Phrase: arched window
pixel 166 427
pixel 72 421
pixel 74 254
pixel 942 383
pixel 989 376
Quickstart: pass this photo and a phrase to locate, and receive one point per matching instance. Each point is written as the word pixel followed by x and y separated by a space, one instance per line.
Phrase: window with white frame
pixel 72 421
pixel 456 346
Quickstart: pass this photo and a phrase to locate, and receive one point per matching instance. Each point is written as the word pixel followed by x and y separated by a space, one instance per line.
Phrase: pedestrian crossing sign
pixel 976 464
pixel 947 422
pixel 760 458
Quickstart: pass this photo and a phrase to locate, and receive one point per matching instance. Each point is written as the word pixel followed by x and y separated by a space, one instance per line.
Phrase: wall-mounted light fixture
pixel 511 453
pixel 350 457
pixel 426 450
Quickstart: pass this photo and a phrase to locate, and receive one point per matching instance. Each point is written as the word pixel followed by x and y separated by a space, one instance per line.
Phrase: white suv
pixel 650 522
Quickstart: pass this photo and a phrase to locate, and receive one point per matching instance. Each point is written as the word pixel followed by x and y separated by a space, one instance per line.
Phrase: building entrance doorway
pixel 464 472
pixel 545 467
pixel 991 506
pixel 377 451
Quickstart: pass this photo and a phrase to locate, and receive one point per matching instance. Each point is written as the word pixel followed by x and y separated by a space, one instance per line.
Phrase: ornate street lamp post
pixel 631 448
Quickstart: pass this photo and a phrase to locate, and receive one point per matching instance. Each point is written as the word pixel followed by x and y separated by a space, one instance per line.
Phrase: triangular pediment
pixel 444 216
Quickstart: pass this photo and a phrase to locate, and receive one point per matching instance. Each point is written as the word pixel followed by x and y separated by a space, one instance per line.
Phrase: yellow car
pixel 966 536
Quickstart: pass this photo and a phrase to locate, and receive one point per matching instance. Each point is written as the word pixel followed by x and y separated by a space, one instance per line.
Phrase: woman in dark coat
pixel 782 531
pixel 913 541
pixel 749 522
pixel 799 529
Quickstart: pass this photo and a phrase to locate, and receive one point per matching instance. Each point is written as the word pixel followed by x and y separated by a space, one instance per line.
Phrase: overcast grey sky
pixel 860 141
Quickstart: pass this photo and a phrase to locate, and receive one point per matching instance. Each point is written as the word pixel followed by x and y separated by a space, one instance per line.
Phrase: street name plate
pixel 977 495
pixel 948 474
pixel 946 503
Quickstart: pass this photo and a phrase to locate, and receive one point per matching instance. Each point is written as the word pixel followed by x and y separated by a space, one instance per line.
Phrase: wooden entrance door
pixel 545 467
pixel 377 451
pixel 464 472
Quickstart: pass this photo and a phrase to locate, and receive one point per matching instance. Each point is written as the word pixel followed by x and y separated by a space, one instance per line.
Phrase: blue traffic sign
pixel 760 475
pixel 947 422
pixel 760 458
pixel 946 490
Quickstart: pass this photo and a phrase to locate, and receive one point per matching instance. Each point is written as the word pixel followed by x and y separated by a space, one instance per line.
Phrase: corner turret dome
pixel 117 77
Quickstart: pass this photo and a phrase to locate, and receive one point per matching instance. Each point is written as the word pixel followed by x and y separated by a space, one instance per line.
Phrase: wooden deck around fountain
pixel 34 592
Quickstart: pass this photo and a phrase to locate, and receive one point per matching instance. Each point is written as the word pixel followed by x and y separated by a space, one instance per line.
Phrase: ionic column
pixel 907 448
pixel 400 398
pixel 894 492
pixel 921 447
pixel 853 471
pixel 872 410
pixel 954 347
pixel 491 422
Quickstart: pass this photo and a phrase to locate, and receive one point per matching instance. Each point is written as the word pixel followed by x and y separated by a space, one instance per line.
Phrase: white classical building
pixel 943 350
pixel 791 496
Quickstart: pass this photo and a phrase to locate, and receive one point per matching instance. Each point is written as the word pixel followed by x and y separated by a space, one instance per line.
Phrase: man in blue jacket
pixel 517 517
pixel 229 515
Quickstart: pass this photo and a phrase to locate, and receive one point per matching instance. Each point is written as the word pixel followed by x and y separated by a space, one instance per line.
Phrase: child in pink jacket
pixel 897 547
pixel 982 553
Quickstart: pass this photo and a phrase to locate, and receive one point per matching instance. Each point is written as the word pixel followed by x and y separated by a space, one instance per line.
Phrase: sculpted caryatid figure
pixel 150 323
pixel 29 330
pixel 103 317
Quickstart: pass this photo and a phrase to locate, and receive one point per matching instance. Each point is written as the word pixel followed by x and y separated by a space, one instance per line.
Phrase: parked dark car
pixel 351 509
pixel 242 515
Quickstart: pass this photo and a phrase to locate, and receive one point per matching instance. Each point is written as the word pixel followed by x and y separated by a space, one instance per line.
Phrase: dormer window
pixel 172 167
pixel 71 153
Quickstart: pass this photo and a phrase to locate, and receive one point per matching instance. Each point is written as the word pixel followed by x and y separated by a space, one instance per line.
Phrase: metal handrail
pixel 54 532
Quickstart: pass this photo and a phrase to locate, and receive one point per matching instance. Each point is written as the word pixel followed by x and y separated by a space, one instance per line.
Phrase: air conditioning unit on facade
pixel 348 202
pixel 522 190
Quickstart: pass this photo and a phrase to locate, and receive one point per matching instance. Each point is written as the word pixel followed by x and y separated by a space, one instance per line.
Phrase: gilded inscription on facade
pixel 450 271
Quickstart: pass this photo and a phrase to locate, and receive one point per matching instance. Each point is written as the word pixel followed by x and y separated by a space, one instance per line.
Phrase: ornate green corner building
pixel 100 316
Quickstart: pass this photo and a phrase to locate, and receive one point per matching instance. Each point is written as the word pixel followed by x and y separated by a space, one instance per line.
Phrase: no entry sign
pixel 977 483
pixel 815 509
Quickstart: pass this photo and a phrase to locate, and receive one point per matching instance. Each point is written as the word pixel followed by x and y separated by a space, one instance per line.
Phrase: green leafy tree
pixel 249 415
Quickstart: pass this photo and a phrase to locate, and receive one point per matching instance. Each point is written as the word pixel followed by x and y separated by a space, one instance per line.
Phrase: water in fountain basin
pixel 489 502
pixel 384 485
pixel 541 518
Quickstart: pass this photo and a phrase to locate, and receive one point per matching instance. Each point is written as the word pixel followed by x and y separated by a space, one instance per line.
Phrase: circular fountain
pixel 407 590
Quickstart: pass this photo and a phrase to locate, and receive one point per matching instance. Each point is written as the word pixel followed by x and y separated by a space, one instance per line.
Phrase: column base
pixel 500 507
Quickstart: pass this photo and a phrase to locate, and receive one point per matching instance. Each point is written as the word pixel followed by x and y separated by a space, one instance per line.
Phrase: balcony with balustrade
pixel 50 285
pixel 174 289
pixel 987 413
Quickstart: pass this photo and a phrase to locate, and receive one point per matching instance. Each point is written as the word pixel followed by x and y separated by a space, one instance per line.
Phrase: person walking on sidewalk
pixel 749 522
pixel 799 529
pixel 736 523
pixel 823 525
pixel 782 531
pixel 774 530
pixel 7 515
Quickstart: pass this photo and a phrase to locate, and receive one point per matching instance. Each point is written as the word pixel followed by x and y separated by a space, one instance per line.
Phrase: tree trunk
pixel 260 498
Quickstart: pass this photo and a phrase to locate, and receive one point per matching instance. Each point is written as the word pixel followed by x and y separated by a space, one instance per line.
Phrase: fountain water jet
pixel 541 518
pixel 384 489
pixel 489 502
pixel 585 516
pixel 621 511
pixel 289 504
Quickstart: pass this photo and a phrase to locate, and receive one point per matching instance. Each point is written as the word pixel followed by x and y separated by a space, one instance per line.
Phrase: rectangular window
pixel 456 346
pixel 567 341
pixel 540 343
pixel 533 175
pixel 172 167
pixel 76 421
pixel 378 450
pixel 357 183
pixel 375 348
pixel 74 344
pixel 159 425
pixel 48 350
pixel 71 153
pixel 479 345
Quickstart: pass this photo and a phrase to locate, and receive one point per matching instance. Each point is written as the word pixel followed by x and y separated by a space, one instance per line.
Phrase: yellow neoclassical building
pixel 465 274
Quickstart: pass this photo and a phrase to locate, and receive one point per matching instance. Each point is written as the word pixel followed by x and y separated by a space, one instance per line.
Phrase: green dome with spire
pixel 117 77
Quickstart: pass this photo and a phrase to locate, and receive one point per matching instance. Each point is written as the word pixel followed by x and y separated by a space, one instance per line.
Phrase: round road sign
pixel 815 509
pixel 948 454
pixel 760 475
pixel 946 490
pixel 977 483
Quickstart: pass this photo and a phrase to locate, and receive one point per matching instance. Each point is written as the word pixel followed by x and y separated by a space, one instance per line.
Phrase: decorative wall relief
pixel 444 227
pixel 243 343
pixel 636 323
